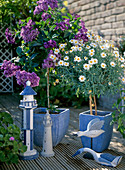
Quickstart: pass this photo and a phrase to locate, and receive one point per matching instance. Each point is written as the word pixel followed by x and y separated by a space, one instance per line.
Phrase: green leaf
pixel 52 27
pixel 65 17
pixel 46 33
pixel 33 56
pixel 28 19
pixel 19 50
pixel 69 15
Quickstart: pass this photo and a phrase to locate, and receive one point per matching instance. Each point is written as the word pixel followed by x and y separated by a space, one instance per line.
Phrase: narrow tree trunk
pixel 48 88
pixel 95 105
pixel 90 104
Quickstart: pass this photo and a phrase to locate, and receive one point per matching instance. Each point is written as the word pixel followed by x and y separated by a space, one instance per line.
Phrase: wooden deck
pixel 63 151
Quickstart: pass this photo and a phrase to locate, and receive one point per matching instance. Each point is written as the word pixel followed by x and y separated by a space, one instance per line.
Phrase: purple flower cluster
pixel 45 16
pixel 62 25
pixel 23 76
pixel 43 5
pixel 27 32
pixel 11 138
pixel 50 44
pixel 9 37
pixel 48 62
pixel 9 68
pixel 82 33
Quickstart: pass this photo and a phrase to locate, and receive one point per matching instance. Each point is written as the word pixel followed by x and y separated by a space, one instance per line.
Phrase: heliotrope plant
pixel 36 37
pixel 91 68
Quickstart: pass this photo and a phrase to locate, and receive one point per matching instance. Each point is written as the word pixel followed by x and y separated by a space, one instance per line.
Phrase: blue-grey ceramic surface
pixel 101 142
pixel 60 123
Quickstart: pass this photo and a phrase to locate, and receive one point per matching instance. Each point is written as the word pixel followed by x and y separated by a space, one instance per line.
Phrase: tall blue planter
pixel 60 123
pixel 101 142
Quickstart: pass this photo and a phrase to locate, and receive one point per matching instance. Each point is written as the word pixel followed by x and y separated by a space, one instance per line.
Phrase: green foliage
pixel 118 116
pixel 121 45
pixel 9 149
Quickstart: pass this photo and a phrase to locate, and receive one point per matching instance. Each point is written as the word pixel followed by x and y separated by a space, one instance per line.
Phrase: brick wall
pixel 108 16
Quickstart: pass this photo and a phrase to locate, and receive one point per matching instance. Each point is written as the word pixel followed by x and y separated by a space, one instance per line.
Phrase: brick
pixel 110 19
pixel 90 11
pixel 95 16
pixel 121 17
pixel 106 26
pixel 120 3
pixel 120 31
pixel 108 31
pixel 105 1
pixel 82 13
pixel 95 4
pixel 119 24
pixel 75 4
pixel 77 9
pixel 99 21
pixel 85 7
pixel 83 2
pixel 90 23
pixel 107 37
pixel 114 38
pixel 118 10
pixel 111 5
pixel 96 28
pixel 106 13
pixel 86 18
pixel 71 1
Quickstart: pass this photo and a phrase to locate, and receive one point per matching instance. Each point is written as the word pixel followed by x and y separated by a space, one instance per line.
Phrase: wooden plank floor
pixel 63 151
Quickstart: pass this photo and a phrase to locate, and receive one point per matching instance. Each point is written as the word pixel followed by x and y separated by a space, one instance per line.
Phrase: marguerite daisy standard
pixel 82 78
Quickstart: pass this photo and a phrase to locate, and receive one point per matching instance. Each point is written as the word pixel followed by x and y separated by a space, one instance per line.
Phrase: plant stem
pixel 48 88
pixel 90 104
pixel 95 105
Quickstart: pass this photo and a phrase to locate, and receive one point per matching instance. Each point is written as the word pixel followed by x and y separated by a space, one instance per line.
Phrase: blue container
pixel 60 123
pixel 101 142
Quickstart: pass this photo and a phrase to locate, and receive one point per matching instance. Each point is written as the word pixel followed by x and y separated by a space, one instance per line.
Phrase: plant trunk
pixel 90 104
pixel 95 106
pixel 48 100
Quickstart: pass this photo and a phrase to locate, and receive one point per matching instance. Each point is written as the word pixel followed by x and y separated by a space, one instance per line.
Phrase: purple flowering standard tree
pixel 36 38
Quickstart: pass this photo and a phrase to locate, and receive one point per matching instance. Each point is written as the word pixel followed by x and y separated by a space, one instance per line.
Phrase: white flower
pixel 91 54
pixel 52 56
pixel 81 41
pixel 78 59
pixel 117 55
pixel 62 45
pixel 103 55
pixel 82 45
pixel 123 79
pixel 76 42
pixel 75 59
pixel 91 51
pixel 80 49
pixel 124 53
pixel 66 58
pixel 53 71
pixel 82 78
pixel 94 45
pixel 109 83
pixel 103 65
pixel 66 52
pixel 61 62
pixel 55 58
pixel 102 47
pixel 86 66
pixel 91 62
pixel 71 51
pixel 86 58
pixel 95 60
pixel 112 64
pixel 122 59
pixel 89 36
pixel 74 48
pixel 116 49
pixel 107 46
pixel 122 65
pixel 71 41
pixel 56 51
pixel 66 63
pixel 88 47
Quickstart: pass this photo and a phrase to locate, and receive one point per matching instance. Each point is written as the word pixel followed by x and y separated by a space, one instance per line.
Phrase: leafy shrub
pixel 10 142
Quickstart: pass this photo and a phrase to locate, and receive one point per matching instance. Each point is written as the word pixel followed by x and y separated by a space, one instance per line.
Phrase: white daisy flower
pixel 103 55
pixel 80 49
pixel 66 63
pixel 122 59
pixel 122 65
pixel 102 47
pixel 91 54
pixel 66 58
pixel 116 52
pixel 82 78
pixel 117 55
pixel 112 64
pixel 56 51
pixel 81 41
pixel 76 42
pixel 62 45
pixel 53 71
pixel 55 58
pixel 94 45
pixel 91 51
pixel 103 65
pixel 71 51
pixel 95 61
pixel 86 66
pixel 123 79
pixel 78 59
pixel 82 45
pixel 66 52
pixel 60 62
pixel 71 41
pixel 109 83
pixel 91 62
pixel 56 64
pixel 86 58
pixel 106 41
pixel 52 56
pixel 107 46
pixel 88 47
pixel 75 59
pixel 116 49
pixel 89 36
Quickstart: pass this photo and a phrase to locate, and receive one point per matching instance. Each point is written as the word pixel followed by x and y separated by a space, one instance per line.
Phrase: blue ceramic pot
pixel 101 142
pixel 60 123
